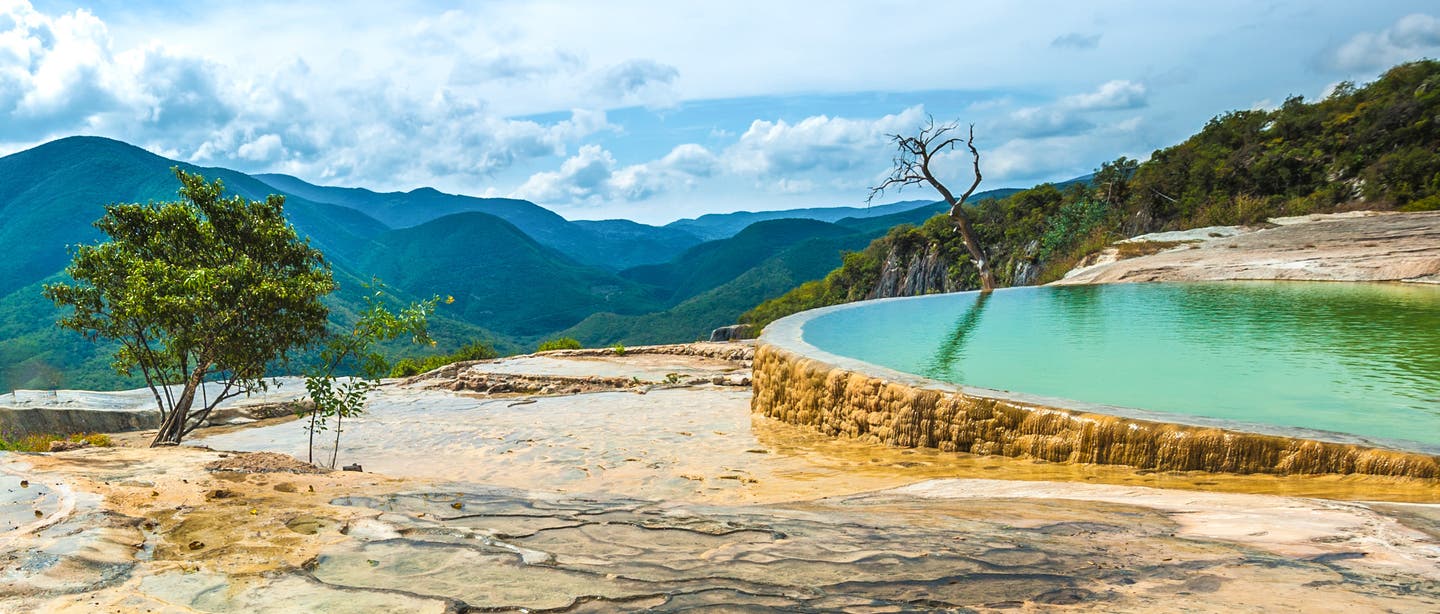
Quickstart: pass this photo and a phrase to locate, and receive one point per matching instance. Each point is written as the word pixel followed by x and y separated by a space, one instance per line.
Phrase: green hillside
pixel 714 263
pixel 1373 147
pixel 696 316
pixel 499 276
pixel 50 195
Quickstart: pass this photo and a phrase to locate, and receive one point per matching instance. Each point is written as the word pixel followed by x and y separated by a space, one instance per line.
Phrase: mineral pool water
pixel 1355 358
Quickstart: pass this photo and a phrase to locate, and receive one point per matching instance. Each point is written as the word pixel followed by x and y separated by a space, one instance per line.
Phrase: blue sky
pixel 660 110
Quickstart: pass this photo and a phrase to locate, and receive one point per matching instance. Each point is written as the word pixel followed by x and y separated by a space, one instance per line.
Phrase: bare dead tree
pixel 913 158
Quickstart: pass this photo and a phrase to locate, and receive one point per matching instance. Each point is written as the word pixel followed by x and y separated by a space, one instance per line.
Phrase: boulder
pixel 730 333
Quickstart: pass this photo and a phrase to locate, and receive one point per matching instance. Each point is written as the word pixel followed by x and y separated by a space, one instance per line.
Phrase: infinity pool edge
pixel 800 384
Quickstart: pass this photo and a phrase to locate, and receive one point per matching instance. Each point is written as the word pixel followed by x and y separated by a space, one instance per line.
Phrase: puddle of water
pixel 23 502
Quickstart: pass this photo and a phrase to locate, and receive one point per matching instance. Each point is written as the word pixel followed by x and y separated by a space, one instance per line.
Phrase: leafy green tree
pixel 209 286
pixel 355 351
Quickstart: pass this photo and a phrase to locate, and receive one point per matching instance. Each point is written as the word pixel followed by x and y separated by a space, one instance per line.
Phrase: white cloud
pixel 266 148
pixel 818 143
pixel 1025 161
pixel 1070 115
pixel 1110 96
pixel 638 80
pixel 593 176
pixel 1409 38
pixel 63 75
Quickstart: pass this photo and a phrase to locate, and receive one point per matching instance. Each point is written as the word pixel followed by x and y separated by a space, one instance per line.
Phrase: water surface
pixel 1362 359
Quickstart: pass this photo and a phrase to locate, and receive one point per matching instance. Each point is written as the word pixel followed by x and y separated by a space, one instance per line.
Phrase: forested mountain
pixel 50 195
pixel 1371 147
pixel 511 287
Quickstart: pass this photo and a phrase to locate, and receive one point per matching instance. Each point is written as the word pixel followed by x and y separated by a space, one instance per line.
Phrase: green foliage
pixel 205 286
pixel 559 343
pixel 475 350
pixel 722 305
pixel 619 349
pixel 1074 221
pixel 341 398
pixel 40 442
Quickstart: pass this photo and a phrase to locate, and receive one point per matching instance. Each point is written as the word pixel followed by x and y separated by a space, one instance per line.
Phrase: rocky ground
pixel 664 493
pixel 1358 246
pixel 597 481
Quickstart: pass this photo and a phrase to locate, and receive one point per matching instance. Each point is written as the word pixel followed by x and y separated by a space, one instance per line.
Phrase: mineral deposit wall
pixel 842 403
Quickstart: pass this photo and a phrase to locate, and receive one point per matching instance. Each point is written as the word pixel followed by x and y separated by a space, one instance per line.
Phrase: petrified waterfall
pixel 843 403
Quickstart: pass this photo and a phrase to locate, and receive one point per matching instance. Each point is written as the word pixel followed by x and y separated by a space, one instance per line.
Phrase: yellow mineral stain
pixel 1059 444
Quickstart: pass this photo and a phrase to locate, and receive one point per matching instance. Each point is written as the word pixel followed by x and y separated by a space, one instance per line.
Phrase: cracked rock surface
pixel 1364 246
pixel 677 500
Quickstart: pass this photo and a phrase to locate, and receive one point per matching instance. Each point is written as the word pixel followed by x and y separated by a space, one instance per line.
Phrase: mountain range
pixel 518 272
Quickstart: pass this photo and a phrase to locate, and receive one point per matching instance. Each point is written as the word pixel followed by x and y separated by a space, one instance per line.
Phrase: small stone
pixel 354 467
pixel 65 446
pixel 24 483
pixel 196 545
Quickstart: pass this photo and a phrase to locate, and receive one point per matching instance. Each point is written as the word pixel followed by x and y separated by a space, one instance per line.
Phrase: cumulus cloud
pixel 1076 40
pixel 265 148
pixel 1409 38
pixel 1069 115
pixel 593 176
pixel 817 143
pixel 1025 161
pixel 1108 97
pixel 776 155
pixel 645 82
pixel 61 75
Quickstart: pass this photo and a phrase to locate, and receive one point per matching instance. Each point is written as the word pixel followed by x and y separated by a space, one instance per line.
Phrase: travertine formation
pixel 843 403
pixel 1358 246
pixel 135 530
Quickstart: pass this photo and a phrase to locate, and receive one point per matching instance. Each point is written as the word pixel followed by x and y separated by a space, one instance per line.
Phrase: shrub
pixel 475 350
pixel 562 343
pixel 40 442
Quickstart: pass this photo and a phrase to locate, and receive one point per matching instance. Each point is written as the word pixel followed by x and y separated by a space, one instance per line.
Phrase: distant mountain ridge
pixel 584 242
pixel 712 226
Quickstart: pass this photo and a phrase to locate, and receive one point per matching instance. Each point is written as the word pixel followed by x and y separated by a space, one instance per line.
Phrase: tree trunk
pixel 173 427
pixel 972 245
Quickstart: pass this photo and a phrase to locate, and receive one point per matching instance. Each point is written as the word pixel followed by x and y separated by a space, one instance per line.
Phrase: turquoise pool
pixel 1360 359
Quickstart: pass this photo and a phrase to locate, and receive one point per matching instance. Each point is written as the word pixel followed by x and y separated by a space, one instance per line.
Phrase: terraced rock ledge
pixel 798 384
pixel 847 403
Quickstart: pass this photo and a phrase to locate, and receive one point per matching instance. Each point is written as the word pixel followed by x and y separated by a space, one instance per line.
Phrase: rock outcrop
pixel 734 332
pixel 913 274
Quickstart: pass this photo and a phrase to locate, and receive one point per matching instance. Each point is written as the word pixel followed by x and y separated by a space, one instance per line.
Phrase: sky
pixel 655 111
